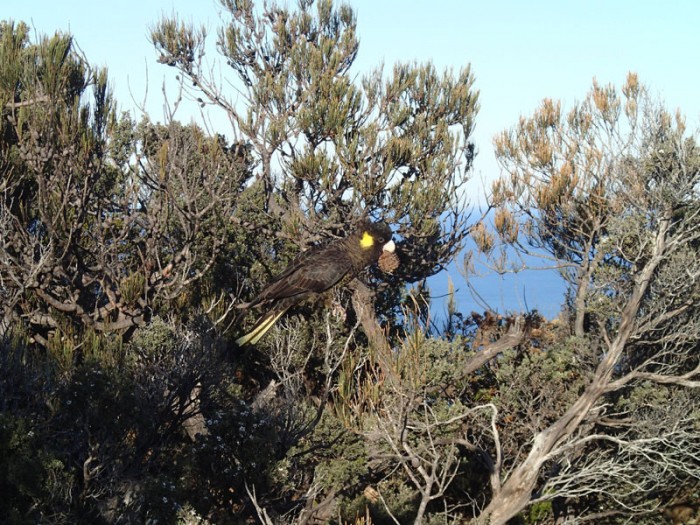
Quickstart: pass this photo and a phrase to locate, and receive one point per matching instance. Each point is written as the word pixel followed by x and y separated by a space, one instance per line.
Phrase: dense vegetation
pixel 126 248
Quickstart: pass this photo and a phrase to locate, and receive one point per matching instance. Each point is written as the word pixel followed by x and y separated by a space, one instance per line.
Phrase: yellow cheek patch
pixel 367 240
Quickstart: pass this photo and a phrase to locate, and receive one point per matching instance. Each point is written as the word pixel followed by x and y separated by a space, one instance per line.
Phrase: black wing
pixel 313 271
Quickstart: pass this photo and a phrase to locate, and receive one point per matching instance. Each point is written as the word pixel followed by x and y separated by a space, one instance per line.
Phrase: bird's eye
pixel 380 240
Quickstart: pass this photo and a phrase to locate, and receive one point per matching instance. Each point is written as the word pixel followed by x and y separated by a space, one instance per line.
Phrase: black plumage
pixel 317 270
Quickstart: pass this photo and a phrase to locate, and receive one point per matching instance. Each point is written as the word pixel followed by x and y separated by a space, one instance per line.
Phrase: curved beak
pixel 389 247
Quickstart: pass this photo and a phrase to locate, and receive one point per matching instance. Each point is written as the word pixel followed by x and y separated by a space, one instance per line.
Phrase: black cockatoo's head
pixel 374 238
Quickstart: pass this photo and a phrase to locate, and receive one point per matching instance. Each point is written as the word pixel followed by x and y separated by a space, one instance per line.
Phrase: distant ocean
pixel 541 290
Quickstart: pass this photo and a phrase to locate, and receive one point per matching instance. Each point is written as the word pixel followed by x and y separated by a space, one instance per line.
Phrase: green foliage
pixel 539 512
pixel 101 219
pixel 126 248
pixel 22 470
pixel 327 149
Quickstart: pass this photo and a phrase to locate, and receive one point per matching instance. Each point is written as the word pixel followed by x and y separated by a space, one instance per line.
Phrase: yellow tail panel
pixel 260 330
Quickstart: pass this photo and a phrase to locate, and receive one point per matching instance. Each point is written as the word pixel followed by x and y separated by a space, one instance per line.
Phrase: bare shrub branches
pixel 610 193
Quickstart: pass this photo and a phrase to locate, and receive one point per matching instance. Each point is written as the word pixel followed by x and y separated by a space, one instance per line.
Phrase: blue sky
pixel 520 52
